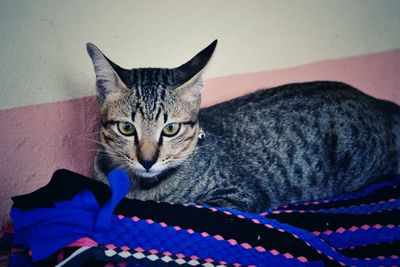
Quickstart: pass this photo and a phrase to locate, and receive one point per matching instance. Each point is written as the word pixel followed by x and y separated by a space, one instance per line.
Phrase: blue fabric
pixel 353 239
pixel 47 230
pixel 149 236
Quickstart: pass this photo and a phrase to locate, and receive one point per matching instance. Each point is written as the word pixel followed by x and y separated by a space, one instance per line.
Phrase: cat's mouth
pixel 148 174
pixel 155 173
pixel 148 180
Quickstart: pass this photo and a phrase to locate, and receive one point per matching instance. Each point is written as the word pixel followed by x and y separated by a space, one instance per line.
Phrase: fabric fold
pixel 47 230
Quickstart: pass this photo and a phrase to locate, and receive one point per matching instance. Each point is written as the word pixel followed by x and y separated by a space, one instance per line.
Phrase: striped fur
pixel 276 146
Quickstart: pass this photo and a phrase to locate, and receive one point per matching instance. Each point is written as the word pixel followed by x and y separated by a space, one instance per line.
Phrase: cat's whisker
pixel 93 133
pixel 110 151
pixel 87 139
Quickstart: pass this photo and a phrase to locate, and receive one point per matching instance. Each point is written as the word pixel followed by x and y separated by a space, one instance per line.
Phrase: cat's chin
pixel 153 173
pixel 152 178
pixel 150 174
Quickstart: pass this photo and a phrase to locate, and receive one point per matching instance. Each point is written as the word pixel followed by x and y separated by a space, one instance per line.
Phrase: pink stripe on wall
pixel 376 74
pixel 37 140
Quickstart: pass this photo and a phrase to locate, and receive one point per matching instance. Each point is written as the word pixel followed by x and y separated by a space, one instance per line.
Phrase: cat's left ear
pixel 190 72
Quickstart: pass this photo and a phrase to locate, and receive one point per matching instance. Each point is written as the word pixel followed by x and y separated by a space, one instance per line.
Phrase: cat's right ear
pixel 107 78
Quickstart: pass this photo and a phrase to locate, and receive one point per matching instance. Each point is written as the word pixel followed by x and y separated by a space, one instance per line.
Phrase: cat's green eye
pixel 126 128
pixel 171 129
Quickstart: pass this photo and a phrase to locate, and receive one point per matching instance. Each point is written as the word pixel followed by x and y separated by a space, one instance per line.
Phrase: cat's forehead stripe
pixel 151 77
pixel 163 95
pixel 150 86
pixel 148 103
pixel 133 115
pixel 165 117
pixel 158 113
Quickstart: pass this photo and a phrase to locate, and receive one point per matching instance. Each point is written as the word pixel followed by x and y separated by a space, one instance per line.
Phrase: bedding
pixel 77 221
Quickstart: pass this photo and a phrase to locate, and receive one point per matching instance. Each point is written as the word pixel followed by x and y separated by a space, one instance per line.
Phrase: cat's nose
pixel 147 154
pixel 147 163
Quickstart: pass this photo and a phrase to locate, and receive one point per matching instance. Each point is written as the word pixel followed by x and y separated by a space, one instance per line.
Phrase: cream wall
pixel 42 47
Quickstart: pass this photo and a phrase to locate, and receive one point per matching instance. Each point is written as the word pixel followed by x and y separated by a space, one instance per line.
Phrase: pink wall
pixel 376 74
pixel 36 140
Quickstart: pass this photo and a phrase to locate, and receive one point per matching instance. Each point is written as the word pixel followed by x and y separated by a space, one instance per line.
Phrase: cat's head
pixel 148 115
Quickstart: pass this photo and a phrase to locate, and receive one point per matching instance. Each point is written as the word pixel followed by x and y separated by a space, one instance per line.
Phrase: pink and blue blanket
pixel 76 221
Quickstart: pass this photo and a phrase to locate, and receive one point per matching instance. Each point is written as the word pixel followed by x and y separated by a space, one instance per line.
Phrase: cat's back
pixel 297 104
pixel 292 98
pixel 302 135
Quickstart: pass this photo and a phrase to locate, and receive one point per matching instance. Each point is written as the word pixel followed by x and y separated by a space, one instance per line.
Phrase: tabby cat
pixel 295 142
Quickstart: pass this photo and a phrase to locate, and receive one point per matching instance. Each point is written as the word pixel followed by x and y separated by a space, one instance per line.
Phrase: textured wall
pixel 49 115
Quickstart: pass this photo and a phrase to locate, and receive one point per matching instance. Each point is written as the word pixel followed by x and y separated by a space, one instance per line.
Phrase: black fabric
pixel 63 185
pixel 371 251
pixel 380 194
pixel 328 221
